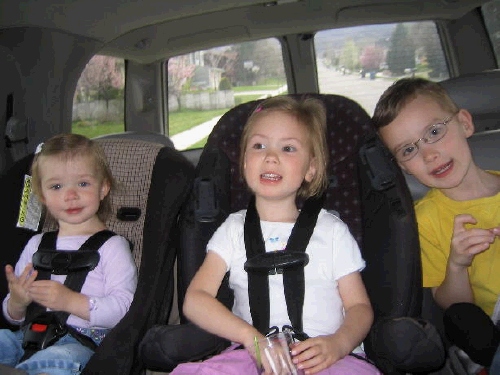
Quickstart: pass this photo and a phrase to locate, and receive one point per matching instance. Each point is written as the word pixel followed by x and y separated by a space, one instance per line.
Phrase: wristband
pixel 92 304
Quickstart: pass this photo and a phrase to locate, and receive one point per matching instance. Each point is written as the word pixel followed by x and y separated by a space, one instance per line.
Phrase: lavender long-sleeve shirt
pixel 111 283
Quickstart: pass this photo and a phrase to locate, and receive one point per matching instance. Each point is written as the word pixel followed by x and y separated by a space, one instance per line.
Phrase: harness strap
pixel 73 281
pixel 293 277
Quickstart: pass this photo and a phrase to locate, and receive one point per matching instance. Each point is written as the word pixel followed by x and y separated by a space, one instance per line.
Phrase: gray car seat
pixel 369 193
pixel 154 181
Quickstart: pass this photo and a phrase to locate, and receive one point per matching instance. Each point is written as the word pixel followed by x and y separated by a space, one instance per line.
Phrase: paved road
pixel 363 90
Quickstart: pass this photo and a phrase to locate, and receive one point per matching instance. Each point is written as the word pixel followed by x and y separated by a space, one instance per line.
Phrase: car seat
pixel 370 194
pixel 154 181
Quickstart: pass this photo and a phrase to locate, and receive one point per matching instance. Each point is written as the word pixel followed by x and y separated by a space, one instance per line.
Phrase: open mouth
pixel 443 169
pixel 270 176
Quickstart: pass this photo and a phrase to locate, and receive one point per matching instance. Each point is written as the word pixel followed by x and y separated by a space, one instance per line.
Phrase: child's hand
pixel 317 353
pixel 51 294
pixel 18 289
pixel 468 242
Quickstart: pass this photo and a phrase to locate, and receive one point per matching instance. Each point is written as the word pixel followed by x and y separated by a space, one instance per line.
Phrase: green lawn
pixel 179 121
pixel 184 119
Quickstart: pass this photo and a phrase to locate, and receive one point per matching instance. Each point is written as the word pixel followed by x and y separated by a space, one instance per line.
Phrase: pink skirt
pixel 239 361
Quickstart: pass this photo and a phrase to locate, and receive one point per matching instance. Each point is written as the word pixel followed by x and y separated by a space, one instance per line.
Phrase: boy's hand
pixel 468 242
pixel 51 294
pixel 317 353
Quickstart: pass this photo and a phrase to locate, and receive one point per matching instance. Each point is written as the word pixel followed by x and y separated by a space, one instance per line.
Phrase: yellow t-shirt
pixel 435 214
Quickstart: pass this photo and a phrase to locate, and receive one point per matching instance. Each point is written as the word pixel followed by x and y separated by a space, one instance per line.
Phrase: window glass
pixel 98 104
pixel 491 14
pixel 203 85
pixel 361 62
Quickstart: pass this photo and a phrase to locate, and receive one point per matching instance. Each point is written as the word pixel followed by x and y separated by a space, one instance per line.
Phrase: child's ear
pixel 311 172
pixel 105 189
pixel 465 119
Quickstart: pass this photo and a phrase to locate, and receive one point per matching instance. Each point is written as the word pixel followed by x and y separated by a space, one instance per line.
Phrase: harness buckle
pixel 43 331
pixel 275 262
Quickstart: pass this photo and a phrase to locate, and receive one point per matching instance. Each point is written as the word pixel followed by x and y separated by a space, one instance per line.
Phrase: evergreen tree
pixel 401 54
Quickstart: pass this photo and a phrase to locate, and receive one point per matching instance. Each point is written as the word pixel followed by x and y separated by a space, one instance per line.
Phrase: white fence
pixel 113 110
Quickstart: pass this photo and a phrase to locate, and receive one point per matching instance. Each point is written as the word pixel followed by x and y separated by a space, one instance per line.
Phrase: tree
pixel 371 58
pixel 426 39
pixel 259 59
pixel 349 57
pixel 243 75
pixel 102 78
pixel 180 70
pixel 401 53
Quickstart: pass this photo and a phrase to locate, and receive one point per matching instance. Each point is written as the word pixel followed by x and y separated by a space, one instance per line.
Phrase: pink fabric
pixel 230 362
pixel 240 362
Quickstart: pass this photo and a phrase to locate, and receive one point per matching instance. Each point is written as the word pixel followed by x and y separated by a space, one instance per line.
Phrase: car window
pixel 98 103
pixel 491 14
pixel 361 62
pixel 203 85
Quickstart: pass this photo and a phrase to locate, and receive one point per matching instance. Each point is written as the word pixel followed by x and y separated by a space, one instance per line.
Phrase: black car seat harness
pixel 290 262
pixel 43 328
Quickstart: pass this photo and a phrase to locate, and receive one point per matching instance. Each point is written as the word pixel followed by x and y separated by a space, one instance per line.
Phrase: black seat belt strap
pixel 258 287
pixel 293 277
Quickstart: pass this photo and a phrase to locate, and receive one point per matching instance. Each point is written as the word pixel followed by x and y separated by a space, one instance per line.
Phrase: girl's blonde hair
pixel 311 114
pixel 69 146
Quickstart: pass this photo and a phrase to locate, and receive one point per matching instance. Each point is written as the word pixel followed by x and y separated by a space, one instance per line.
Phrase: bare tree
pixel 102 78
pixel 180 70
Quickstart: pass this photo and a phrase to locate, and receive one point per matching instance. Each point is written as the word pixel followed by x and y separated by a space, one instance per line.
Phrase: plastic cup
pixel 276 349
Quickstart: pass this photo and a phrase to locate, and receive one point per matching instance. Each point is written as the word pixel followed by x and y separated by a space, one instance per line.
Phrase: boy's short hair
pixel 402 91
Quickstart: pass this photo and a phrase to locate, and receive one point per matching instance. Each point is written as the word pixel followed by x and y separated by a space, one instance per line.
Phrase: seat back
pixel 153 183
pixel 365 187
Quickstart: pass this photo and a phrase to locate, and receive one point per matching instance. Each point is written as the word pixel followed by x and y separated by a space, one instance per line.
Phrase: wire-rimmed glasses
pixel 432 134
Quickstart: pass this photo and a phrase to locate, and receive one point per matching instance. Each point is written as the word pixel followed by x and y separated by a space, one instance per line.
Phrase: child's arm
pixel 19 297
pixel 318 353
pixel 466 243
pixel 203 309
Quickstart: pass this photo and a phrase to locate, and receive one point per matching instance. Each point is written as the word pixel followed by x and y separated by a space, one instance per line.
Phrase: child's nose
pixel 429 151
pixel 271 156
pixel 71 194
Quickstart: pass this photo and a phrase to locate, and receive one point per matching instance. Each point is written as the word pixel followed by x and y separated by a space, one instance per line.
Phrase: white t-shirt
pixel 333 253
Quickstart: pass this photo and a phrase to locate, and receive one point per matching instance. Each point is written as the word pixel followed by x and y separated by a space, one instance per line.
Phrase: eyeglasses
pixel 432 134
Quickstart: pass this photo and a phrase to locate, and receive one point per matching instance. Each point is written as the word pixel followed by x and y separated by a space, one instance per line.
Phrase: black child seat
pixel 369 193
pixel 154 180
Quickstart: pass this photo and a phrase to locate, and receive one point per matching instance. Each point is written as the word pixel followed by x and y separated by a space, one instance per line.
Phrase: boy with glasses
pixel 458 219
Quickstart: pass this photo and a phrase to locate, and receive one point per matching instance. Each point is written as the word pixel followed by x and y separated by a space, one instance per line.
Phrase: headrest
pixel 479 93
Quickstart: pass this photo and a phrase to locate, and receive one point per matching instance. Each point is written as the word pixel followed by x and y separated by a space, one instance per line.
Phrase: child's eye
pixel 55 187
pixel 289 148
pixel 83 184
pixel 258 146
pixel 408 150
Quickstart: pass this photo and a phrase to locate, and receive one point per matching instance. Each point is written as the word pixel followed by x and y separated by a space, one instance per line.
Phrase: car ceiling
pixel 149 30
